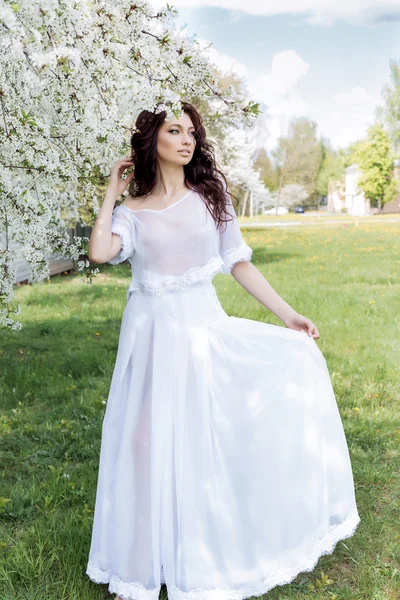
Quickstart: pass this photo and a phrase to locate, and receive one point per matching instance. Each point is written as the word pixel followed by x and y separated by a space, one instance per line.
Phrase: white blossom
pixel 74 75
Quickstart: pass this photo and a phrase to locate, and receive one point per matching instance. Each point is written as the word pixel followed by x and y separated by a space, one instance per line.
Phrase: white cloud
pixel 286 71
pixel 279 90
pixel 351 116
pixel 343 118
pixel 226 64
pixel 358 96
pixel 317 12
pixel 343 127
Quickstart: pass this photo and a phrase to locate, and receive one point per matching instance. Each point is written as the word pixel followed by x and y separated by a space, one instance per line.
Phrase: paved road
pixel 323 221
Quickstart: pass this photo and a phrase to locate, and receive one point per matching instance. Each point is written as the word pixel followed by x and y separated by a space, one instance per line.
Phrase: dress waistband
pixel 157 285
pixel 189 289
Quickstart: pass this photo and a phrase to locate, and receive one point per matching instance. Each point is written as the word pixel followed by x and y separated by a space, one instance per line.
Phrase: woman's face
pixel 174 136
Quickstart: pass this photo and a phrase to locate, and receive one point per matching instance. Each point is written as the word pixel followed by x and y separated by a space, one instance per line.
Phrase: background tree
pixel 348 154
pixel 375 160
pixel 332 168
pixel 267 169
pixel 389 114
pixel 298 156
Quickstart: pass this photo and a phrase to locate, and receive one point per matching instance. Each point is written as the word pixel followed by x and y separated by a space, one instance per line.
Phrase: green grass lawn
pixel 55 376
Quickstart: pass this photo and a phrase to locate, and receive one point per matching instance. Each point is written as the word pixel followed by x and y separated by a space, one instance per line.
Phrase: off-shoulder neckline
pixel 153 209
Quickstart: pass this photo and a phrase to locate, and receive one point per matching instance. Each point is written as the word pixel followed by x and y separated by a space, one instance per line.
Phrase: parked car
pixel 279 210
pixel 299 209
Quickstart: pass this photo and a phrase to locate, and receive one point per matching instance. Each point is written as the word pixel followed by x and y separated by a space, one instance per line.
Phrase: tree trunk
pixel 245 203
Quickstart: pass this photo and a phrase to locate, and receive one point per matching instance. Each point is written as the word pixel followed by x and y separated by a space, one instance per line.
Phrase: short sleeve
pixel 232 247
pixel 122 225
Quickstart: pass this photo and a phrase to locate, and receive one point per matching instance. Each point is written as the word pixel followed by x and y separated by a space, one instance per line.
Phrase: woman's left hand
pixel 301 323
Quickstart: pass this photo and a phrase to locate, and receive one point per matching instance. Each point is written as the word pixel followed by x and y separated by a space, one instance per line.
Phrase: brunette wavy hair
pixel 201 174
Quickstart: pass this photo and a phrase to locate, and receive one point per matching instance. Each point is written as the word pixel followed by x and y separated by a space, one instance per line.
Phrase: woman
pixel 224 469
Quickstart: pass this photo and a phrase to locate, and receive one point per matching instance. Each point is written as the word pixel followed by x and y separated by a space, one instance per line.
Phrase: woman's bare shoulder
pixel 133 202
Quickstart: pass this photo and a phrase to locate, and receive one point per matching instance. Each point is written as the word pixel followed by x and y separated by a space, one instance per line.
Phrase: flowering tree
pixel 73 78
pixel 291 195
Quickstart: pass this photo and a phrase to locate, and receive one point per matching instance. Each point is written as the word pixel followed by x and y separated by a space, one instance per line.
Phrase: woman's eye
pixel 171 130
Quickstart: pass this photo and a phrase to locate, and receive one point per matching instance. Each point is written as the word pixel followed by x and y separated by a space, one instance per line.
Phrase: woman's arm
pixel 254 282
pixel 103 245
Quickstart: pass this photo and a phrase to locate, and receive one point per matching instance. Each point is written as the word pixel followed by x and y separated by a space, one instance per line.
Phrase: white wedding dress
pixel 224 469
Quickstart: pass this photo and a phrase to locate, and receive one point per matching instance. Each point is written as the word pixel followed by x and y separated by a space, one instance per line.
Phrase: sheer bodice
pixel 178 245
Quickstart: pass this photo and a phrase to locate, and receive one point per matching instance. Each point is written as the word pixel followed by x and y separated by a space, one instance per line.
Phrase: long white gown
pixel 224 469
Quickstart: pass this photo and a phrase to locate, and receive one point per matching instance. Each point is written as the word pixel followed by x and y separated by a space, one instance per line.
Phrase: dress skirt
pixel 224 469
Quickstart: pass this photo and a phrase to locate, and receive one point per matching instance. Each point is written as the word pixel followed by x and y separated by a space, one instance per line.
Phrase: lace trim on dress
pixel 326 545
pixel 179 282
pixel 235 255
pixel 126 244
pixel 217 264
pixel 128 591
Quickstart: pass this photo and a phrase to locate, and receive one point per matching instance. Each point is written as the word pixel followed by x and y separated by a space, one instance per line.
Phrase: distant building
pixel 394 205
pixel 355 201
pixel 335 198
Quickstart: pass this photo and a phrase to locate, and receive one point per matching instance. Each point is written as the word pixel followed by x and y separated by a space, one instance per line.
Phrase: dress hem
pixel 136 591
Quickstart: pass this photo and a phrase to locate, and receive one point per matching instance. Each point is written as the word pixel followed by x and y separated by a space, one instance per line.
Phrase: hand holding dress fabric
pixel 301 323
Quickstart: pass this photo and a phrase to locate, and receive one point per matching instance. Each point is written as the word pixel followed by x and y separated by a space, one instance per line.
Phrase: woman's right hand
pixel 116 185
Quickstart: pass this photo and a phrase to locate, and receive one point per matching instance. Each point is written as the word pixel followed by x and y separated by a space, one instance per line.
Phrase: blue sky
pixel 323 59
